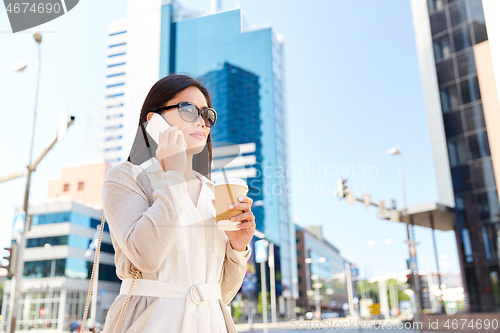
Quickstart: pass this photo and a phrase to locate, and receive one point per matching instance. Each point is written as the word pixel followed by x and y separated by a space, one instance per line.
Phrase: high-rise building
pixel 114 111
pixel 243 68
pixel 458 43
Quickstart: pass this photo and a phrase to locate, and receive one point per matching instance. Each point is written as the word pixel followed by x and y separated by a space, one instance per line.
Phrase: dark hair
pixel 144 146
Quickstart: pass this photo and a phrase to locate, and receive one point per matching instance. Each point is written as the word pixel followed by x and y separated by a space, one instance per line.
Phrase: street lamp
pixel 11 324
pixel 316 285
pixel 397 151
pixel 52 275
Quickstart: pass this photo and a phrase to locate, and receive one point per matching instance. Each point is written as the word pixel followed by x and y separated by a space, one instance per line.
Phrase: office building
pixel 458 45
pixel 57 266
pixel 114 110
pixel 321 272
pixel 57 271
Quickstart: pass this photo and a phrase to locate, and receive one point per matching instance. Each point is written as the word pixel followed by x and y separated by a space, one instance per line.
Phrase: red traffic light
pixel 408 278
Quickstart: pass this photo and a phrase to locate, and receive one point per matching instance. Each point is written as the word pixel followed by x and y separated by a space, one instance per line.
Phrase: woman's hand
pixel 240 238
pixel 171 150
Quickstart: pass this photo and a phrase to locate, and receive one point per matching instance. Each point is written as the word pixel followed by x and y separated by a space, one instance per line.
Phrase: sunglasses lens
pixel 188 112
pixel 210 117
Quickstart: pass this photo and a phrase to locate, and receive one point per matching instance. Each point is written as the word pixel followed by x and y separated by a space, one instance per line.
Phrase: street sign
pixel 19 222
pixel 375 309
pixel 271 255
pixel 413 263
pixel 393 204
pixel 260 251
pixel 413 251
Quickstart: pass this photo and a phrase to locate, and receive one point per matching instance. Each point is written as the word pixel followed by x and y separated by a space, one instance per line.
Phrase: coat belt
pixel 194 295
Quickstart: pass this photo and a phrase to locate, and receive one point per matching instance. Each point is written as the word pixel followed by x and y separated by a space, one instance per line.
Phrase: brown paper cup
pixel 227 193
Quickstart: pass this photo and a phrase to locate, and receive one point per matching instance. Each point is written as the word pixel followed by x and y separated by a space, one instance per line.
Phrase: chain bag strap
pixel 96 262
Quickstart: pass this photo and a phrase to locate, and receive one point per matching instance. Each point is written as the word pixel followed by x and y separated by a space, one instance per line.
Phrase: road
pixel 339 325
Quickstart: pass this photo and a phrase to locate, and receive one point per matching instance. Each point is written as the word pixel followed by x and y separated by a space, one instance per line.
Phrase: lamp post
pixel 316 285
pixel 52 275
pixel 16 286
pixel 411 243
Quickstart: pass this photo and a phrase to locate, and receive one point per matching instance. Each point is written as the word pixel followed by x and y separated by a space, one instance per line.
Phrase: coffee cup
pixel 227 193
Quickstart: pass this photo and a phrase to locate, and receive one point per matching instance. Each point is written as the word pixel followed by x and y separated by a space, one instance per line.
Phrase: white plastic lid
pixel 234 181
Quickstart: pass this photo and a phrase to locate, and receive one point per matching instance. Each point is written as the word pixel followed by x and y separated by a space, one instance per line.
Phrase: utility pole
pixel 272 282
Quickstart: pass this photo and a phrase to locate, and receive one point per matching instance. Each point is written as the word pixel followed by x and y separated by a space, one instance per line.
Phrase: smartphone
pixel 156 125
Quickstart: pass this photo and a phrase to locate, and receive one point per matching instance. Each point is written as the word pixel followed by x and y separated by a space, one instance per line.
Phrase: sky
pixel 352 91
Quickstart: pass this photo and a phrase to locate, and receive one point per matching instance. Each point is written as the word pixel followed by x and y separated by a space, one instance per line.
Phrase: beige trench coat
pixel 155 227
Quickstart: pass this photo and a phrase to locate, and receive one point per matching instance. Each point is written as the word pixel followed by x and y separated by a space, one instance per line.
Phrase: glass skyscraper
pixel 457 42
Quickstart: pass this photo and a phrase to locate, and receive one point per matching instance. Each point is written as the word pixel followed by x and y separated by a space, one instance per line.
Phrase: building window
pixel 479 145
pixel 467 245
pixel 466 63
pixel 117 33
pixel 453 123
pixel 470 90
pixel 51 218
pixel 66 187
pixel 475 8
pixel 474 117
pixel 449 98
pixel 458 13
pixel 435 5
pixel 484 175
pixel 438 22
pixel 488 205
pixel 461 178
pixel 445 71
pixel 80 186
pixel 442 47
pixel 479 27
pixel 461 38
pixel 457 151
pixel 115 45
pixel 40 242
pixel 42 268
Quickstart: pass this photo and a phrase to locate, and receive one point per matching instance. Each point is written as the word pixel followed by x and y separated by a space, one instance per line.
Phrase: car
pixel 327 315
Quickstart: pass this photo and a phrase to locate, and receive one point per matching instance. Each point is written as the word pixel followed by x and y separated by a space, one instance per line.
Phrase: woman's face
pixel 195 144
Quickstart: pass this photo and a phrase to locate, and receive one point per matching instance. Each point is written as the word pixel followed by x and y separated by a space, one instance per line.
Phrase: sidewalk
pixel 333 324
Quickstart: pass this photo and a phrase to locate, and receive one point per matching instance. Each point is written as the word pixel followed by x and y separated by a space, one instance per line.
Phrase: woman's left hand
pixel 240 238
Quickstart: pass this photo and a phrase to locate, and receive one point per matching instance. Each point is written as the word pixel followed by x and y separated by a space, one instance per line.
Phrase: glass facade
pixel 456 26
pixel 235 96
pixel 244 72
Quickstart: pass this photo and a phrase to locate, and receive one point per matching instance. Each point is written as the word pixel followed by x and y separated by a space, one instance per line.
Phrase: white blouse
pixel 194 257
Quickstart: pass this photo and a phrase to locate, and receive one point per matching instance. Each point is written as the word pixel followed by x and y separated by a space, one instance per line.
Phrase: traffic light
pixel 341 188
pixel 11 258
pixel 409 280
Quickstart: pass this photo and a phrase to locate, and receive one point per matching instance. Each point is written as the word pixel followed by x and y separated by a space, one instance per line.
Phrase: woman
pixel 160 209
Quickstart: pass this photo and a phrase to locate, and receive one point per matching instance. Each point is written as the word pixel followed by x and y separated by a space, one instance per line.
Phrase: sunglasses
pixel 190 112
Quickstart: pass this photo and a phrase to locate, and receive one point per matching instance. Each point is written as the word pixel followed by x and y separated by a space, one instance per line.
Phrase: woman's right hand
pixel 171 150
